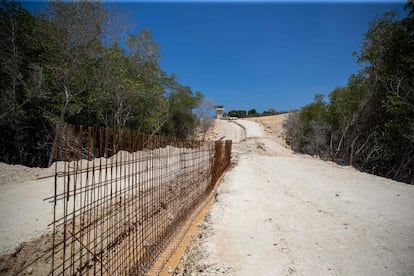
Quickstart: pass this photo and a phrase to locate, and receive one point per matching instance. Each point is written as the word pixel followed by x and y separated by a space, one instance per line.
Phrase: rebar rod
pixel 120 197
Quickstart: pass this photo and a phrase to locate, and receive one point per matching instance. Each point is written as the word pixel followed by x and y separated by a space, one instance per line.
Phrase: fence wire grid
pixel 119 197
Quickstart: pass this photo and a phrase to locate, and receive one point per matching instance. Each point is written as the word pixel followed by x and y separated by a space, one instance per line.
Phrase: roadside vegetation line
pixel 169 260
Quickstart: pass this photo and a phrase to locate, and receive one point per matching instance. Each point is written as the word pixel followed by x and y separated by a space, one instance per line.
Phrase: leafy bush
pixel 369 123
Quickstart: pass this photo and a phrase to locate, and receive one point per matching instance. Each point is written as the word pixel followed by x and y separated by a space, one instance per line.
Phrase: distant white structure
pixel 219 111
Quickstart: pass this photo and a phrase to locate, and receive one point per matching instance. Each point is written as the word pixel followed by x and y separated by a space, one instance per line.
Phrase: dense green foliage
pixel 369 123
pixel 252 113
pixel 64 66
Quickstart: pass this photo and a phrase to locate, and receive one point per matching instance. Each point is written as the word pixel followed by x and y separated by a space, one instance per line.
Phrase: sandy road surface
pixel 279 213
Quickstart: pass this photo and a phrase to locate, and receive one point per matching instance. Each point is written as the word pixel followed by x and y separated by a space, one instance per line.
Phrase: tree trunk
pixel 351 155
pixel 58 140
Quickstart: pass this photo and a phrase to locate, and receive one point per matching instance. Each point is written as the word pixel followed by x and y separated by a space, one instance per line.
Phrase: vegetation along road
pixel 280 213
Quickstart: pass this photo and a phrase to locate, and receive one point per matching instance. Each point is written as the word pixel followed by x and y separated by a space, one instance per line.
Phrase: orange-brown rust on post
pixel 170 261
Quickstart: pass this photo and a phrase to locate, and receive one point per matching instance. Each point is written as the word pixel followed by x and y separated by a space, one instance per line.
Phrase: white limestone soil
pixel 279 213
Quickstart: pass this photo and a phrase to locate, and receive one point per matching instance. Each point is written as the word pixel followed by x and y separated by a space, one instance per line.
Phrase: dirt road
pixel 279 213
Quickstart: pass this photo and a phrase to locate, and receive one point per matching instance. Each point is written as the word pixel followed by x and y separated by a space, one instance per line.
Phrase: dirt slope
pixel 279 213
pixel 273 125
pixel 225 130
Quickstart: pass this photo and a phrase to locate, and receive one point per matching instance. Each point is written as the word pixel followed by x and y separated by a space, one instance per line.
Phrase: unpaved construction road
pixel 279 213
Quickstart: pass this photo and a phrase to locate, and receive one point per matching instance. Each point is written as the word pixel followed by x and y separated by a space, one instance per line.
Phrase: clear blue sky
pixel 247 55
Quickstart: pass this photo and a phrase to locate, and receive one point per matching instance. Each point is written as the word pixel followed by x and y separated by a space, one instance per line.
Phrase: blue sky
pixel 263 55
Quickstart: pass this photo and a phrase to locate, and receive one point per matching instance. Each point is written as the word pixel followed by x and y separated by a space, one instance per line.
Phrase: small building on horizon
pixel 219 111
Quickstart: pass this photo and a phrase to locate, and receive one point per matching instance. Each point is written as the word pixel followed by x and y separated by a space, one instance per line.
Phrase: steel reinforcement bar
pixel 119 197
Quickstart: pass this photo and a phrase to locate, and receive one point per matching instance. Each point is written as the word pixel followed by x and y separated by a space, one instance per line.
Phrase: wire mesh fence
pixel 119 197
